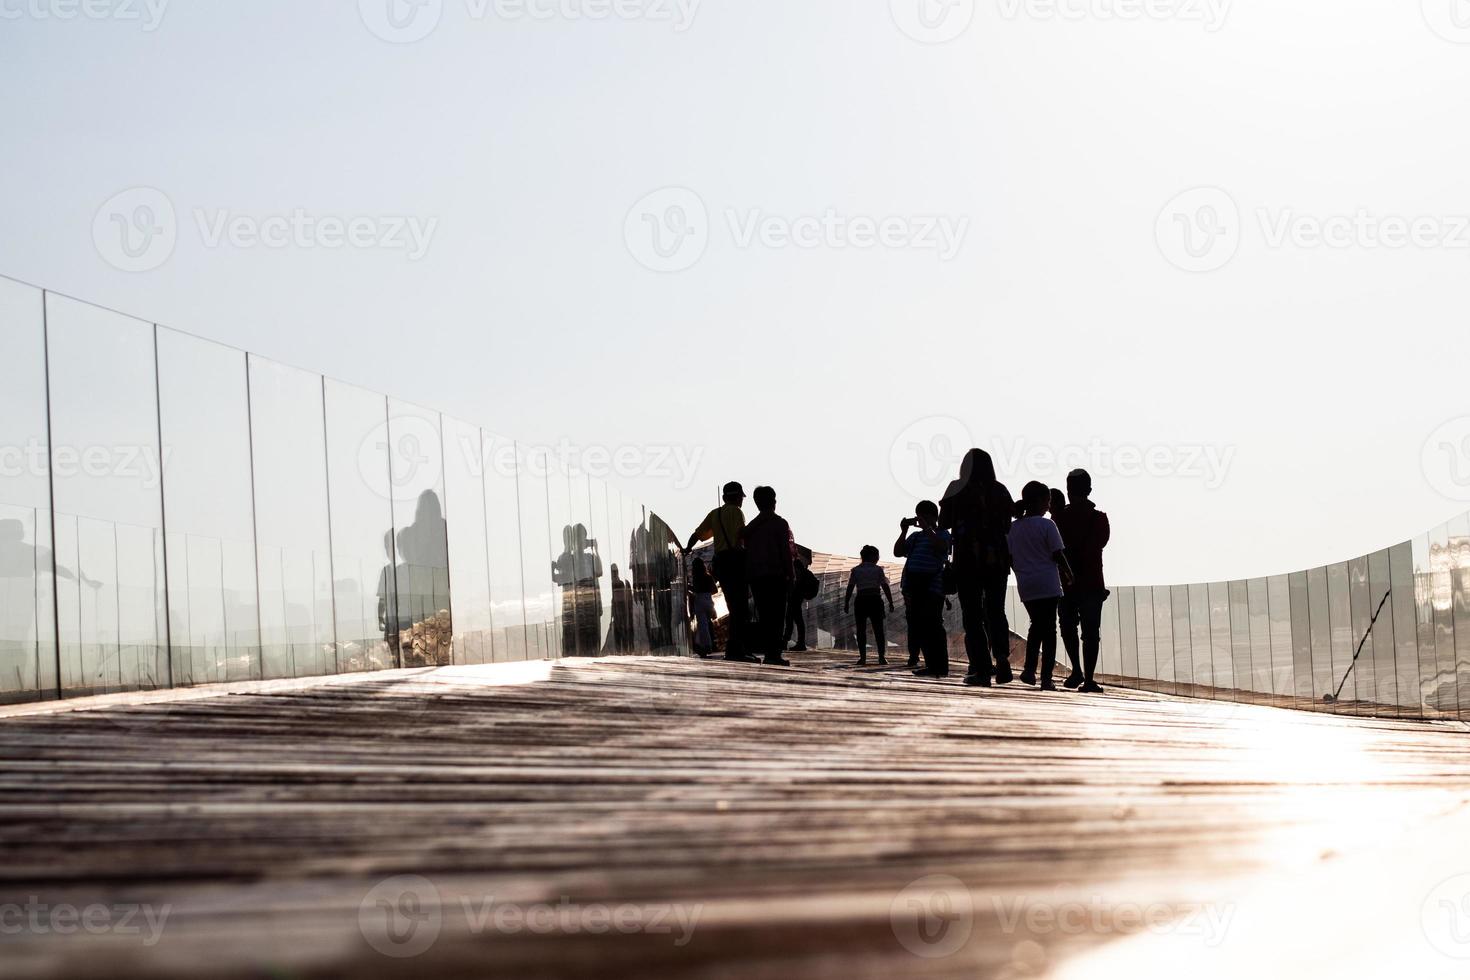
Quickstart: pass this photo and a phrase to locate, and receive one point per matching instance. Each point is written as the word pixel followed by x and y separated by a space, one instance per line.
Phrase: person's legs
pixel 1069 615
pixel 730 573
pixel 1042 639
pixel 860 620
pixel 915 631
pixel 972 615
pixel 997 627
pixel 798 613
pixel 878 635
pixel 1092 607
pixel 934 641
pixel 770 607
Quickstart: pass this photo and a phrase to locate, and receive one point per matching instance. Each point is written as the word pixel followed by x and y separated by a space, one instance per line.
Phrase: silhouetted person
pixel 577 571
pixel 977 509
pixel 1041 568
pixel 924 553
pixel 804 588
pixel 1056 505
pixel 725 525
pixel 702 606
pixel 391 607
pixel 1085 530
pixel 622 613
pixel 423 578
pixel 770 547
pixel 870 582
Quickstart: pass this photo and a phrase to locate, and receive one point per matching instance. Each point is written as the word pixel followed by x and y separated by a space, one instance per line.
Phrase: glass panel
pixel 1341 642
pixel 620 577
pixel 604 548
pixel 1459 562
pixel 1221 652
pixel 27 602
pixel 1300 686
pixel 668 581
pixel 1385 677
pixel 578 573
pixel 1110 652
pixel 1362 677
pixel 1203 669
pixel 364 553
pixel 416 462
pixel 1164 652
pixel 1128 632
pixel 292 522
pixel 503 517
pixel 1320 622
pixel 1260 631
pixel 537 558
pixel 1436 586
pixel 1240 638
pixel 1143 618
pixel 1182 634
pixel 1278 598
pixel 214 609
pixel 106 466
pixel 469 570
pixel 1405 631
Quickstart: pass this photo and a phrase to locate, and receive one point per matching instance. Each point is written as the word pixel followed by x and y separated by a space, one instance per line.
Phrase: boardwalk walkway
pixel 662 817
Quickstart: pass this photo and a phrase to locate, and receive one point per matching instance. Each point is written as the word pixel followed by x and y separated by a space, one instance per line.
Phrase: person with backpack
pixel 804 588
pixel 870 582
pixel 1041 571
pixel 925 553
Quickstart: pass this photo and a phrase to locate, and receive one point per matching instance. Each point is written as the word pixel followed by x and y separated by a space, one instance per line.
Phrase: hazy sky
pixel 1218 251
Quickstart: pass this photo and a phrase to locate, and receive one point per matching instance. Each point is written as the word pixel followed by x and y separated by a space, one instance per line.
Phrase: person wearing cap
pixel 725 526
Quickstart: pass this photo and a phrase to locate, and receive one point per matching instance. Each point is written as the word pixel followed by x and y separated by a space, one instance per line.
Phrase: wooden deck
pixel 662 817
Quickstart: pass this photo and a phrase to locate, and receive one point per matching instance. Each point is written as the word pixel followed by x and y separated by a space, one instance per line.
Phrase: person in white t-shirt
pixel 1041 568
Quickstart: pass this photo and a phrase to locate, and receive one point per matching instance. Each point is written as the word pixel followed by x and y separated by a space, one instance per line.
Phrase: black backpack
pixel 808 586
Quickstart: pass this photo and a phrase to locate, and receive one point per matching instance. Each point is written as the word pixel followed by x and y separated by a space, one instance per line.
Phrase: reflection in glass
pixel 27 602
pixel 1411 693
pixel 214 610
pixel 1437 586
pixel 1385 676
pixel 416 462
pixel 108 478
pixel 1459 567
pixel 1300 685
pixel 1164 652
pixel 503 542
pixel 364 553
pixel 1363 677
pixel 292 522
pixel 1340 638
pixel 468 573
pixel 1222 669
pixel 1240 637
pixel 1260 630
pixel 542 597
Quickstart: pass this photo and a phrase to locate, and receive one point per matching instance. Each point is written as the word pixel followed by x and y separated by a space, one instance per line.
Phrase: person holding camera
pixel 925 553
